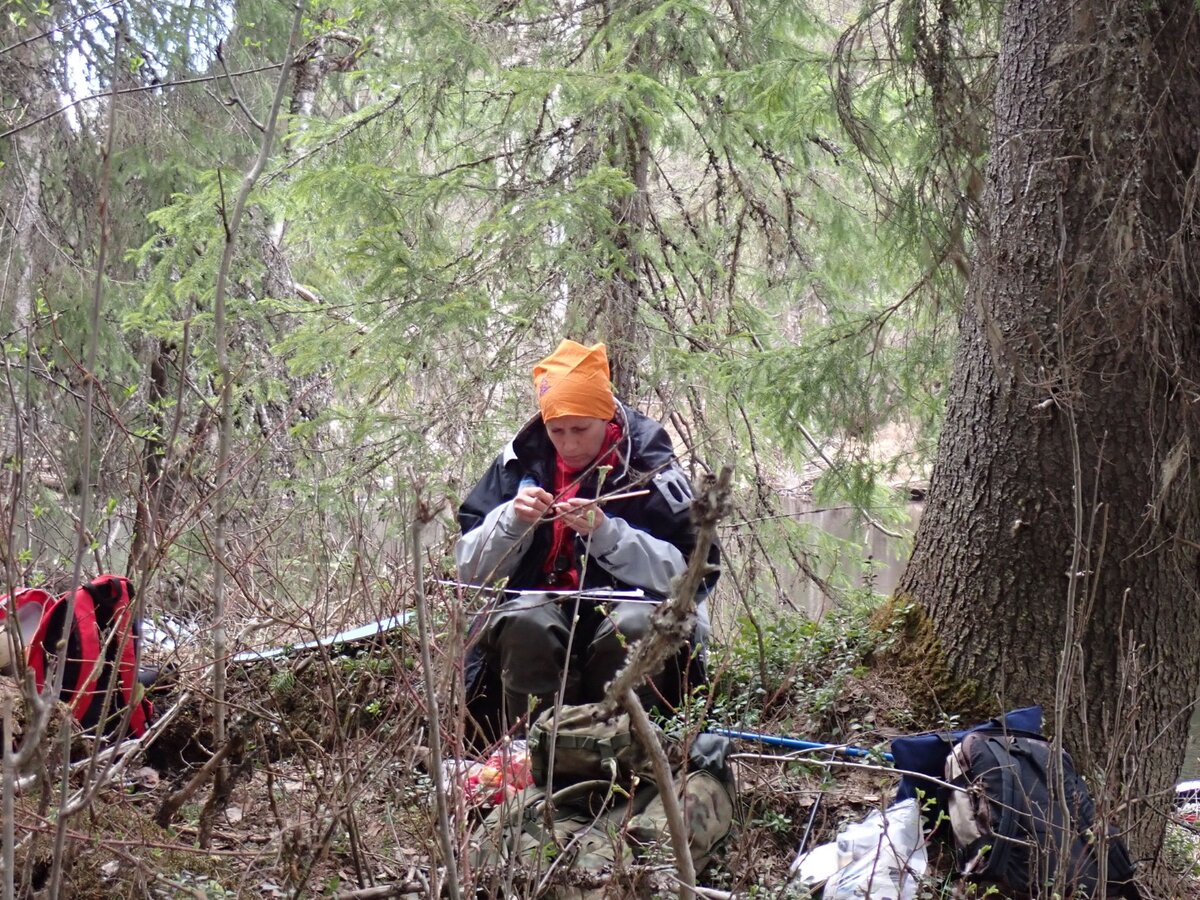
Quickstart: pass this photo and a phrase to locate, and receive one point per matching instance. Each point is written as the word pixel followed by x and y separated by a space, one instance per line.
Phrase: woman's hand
pixel 531 504
pixel 582 516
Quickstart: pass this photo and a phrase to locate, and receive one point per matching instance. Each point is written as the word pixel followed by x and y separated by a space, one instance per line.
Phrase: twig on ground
pixel 171 805
pixel 840 764
pixel 382 891
pixel 706 892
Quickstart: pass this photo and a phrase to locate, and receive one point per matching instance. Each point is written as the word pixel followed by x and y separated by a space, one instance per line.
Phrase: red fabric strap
pixel 120 631
pixel 128 661
pixel 560 569
pixel 89 652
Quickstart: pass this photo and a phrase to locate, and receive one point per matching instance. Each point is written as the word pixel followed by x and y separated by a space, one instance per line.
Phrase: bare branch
pixel 431 704
pixel 200 79
pixel 671 628
pixel 221 338
pixel 673 619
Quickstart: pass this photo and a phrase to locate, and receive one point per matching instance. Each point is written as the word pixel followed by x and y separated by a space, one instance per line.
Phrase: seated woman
pixel 538 523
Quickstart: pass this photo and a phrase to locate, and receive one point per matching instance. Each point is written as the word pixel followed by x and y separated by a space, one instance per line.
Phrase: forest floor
pixel 326 794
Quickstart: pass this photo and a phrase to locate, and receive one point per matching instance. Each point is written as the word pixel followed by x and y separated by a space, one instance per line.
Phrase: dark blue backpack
pixel 1007 763
pixel 1024 818
pixel 925 754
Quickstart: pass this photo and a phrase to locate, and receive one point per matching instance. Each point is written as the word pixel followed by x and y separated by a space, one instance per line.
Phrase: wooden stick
pixel 670 628
pixel 625 496
pixel 561 510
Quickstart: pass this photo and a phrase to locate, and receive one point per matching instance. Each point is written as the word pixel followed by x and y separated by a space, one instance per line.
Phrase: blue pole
pixel 796 744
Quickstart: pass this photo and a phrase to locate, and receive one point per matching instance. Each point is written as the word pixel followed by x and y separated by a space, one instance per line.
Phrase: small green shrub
pixel 282 683
pixel 1181 850
pixel 796 664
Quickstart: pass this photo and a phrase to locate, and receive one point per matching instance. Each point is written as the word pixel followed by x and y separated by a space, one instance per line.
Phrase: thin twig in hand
pixel 626 495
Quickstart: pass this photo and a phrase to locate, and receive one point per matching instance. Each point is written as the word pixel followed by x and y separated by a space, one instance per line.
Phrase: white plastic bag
pixel 881 857
pixel 814 867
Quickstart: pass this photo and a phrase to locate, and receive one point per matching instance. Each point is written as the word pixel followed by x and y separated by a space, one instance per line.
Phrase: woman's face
pixel 577 439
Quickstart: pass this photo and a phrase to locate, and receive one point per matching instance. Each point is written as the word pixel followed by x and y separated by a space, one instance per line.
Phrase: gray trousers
pixel 529 638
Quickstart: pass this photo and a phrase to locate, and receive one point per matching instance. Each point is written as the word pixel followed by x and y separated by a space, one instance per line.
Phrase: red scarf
pixel 560 570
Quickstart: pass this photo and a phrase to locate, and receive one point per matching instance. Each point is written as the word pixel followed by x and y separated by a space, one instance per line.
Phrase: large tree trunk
pixel 617 319
pixel 1059 555
pixel 621 328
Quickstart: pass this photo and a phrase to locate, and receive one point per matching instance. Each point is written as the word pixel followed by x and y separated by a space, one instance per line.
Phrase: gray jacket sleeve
pixel 493 549
pixel 636 557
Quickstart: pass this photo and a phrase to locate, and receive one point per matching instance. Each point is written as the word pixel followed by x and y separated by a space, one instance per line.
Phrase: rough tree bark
pixel 152 491
pixel 1062 532
pixel 628 150
pixel 620 313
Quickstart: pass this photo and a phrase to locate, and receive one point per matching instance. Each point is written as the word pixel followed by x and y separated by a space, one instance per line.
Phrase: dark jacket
pixel 644 544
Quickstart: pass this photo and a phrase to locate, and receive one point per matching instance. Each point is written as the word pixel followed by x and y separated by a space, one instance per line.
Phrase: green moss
pixel 814 676
pixel 917 657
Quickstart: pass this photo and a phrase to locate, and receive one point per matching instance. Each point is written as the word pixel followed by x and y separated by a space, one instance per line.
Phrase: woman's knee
pixel 621 628
pixel 533 629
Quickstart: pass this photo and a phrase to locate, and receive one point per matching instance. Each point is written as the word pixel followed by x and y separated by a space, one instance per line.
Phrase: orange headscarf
pixel 574 381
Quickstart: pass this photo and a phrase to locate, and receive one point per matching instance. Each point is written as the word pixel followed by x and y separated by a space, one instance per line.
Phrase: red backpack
pixel 101 650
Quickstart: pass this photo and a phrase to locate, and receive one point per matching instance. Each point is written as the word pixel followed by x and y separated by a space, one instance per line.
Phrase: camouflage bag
pixel 708 809
pixel 585 831
pixel 587 745
pixel 611 814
